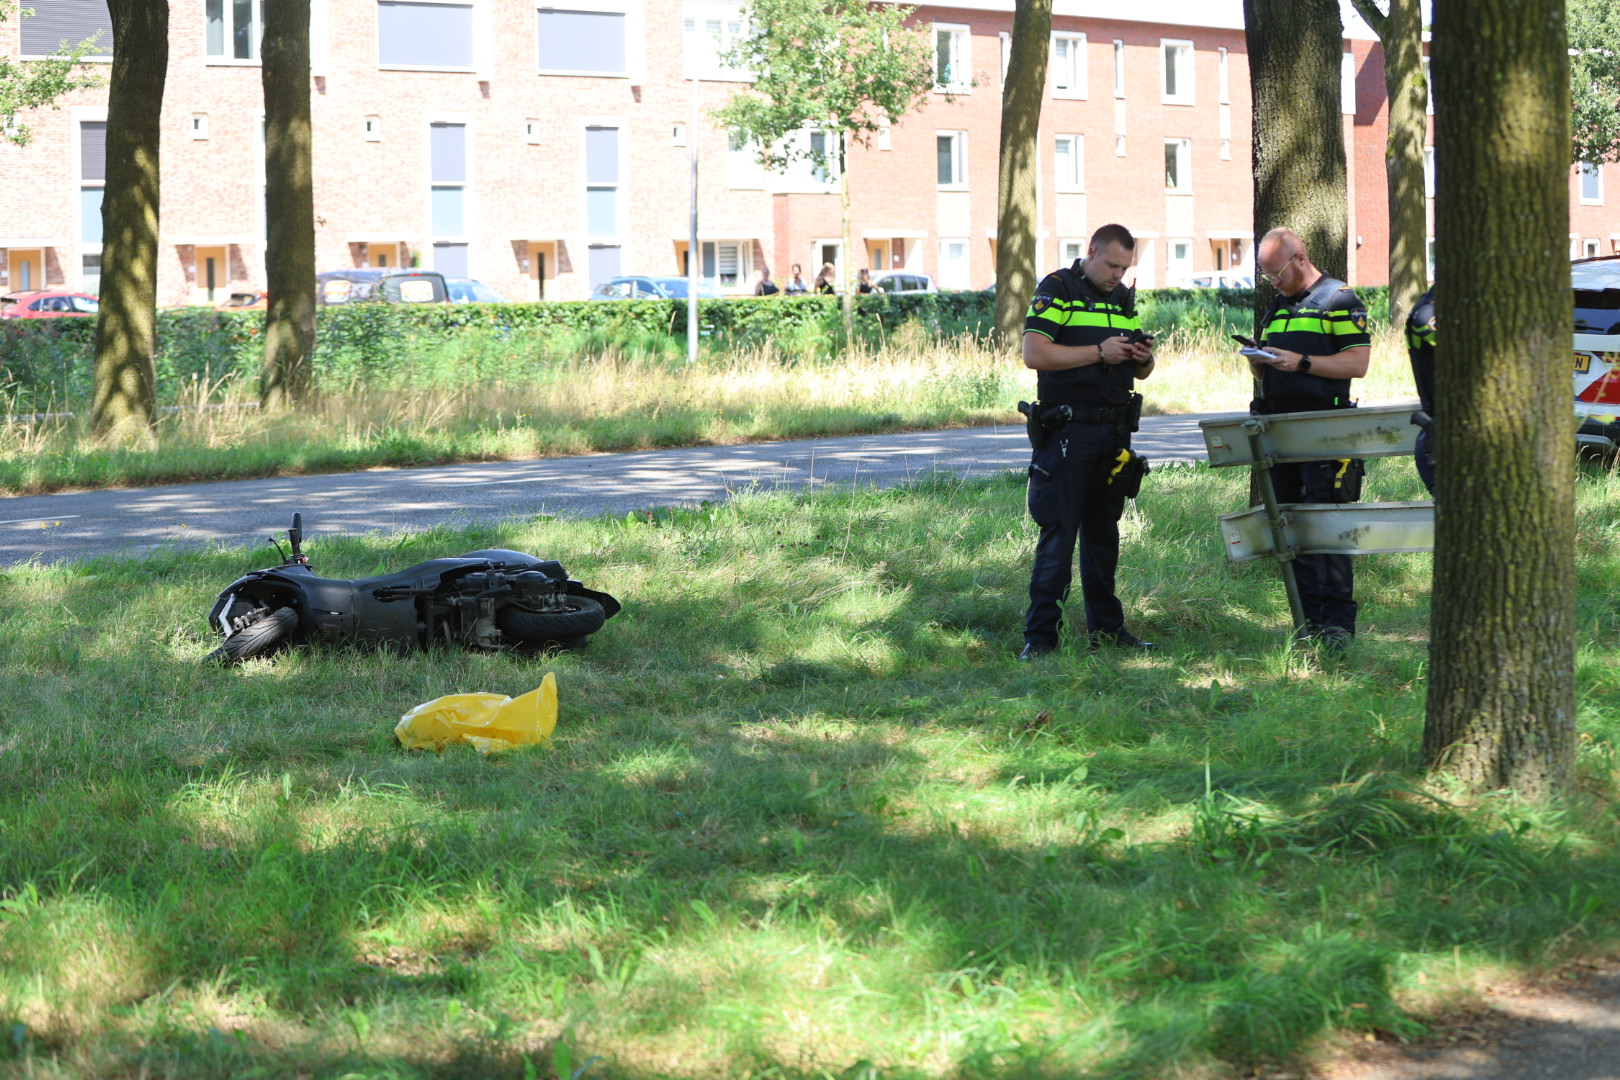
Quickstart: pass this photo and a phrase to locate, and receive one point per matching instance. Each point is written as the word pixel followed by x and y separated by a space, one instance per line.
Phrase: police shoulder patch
pixel 1040 303
pixel 1359 317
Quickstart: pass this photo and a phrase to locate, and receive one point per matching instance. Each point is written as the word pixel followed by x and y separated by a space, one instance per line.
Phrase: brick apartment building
pixel 541 149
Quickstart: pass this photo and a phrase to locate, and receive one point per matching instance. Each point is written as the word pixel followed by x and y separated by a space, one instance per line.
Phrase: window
pixel 1119 146
pixel 822 166
pixel 90 274
pixel 1178 165
pixel 1589 249
pixel 233 28
pixel 743 170
pixel 56 21
pixel 1428 258
pixel 1119 68
pixel 604 263
pixel 1180 266
pixel 1226 149
pixel 1224 77
pixel 725 264
pixel 1428 171
pixel 953 264
pixel 1068 161
pixel 199 125
pixel 677 135
pixel 1069 65
pixel 373 129
pixel 417 35
pixel 582 42
pixel 531 130
pixel 885 137
pixel 1428 81
pixel 711 29
pixel 952 153
pixel 1347 84
pixel 951 58
pixel 602 182
pixel 1176 72
pixel 1006 57
pixel 447 154
pixel 1071 250
pixel 92 178
pixel 1591 184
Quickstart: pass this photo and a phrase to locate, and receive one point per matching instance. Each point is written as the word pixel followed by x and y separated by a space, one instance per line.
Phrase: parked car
pixel 636 287
pixel 467 291
pixel 1597 352
pixel 385 285
pixel 47 304
pixel 900 282
pixel 254 300
pixel 1221 279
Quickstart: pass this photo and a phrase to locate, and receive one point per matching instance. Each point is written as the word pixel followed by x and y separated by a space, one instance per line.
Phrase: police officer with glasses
pixel 1083 338
pixel 1316 333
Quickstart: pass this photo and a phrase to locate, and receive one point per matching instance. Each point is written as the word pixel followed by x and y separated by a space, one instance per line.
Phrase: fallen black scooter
pixel 496 600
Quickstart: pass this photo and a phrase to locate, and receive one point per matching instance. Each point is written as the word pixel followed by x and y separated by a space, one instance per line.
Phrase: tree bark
pixel 1016 225
pixel 1501 704
pixel 126 326
pixel 289 328
pixel 1401 35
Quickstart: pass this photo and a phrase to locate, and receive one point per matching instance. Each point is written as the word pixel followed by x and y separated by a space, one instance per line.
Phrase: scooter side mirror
pixel 295 535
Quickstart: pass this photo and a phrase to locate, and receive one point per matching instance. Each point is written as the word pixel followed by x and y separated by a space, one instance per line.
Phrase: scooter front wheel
pixel 258 639
pixel 584 616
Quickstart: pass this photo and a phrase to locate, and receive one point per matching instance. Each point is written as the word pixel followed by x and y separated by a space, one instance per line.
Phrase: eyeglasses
pixel 1273 276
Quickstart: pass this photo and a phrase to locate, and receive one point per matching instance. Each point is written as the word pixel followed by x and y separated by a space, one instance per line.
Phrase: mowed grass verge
pixel 611 400
pixel 803 816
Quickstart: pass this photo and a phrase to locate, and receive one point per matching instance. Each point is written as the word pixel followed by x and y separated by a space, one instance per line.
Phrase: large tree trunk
pixel 289 329
pixel 1299 165
pixel 126 327
pixel 1501 705
pixel 1401 34
pixel 1016 225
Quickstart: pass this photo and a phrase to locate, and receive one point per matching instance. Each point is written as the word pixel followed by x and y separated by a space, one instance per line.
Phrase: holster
pixel 1040 421
pixel 1337 481
pixel 1130 417
pixel 1121 475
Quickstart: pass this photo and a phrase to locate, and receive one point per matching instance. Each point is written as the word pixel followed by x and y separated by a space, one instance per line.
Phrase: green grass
pixel 609 398
pixel 804 816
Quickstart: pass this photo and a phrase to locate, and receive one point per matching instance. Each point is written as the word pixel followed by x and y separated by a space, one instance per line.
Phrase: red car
pixel 47 304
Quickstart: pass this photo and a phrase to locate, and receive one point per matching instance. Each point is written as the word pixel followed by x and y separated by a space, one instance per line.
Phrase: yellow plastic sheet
pixel 490 722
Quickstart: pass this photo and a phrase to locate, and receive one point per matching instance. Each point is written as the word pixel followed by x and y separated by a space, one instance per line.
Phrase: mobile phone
pixel 1245 341
pixel 1139 338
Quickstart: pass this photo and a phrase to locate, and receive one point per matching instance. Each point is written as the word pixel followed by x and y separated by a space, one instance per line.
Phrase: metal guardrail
pixel 1331 529
pixel 1380 431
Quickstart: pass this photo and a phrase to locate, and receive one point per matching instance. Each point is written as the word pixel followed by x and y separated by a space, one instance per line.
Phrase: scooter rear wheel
pixel 585 616
pixel 258 639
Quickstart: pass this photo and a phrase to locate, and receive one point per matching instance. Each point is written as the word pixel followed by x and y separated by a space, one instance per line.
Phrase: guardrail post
pixel 1283 552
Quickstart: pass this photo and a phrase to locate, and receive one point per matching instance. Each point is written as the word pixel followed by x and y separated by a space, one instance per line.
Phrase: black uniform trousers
pixel 1424 455
pixel 1326 584
pixel 1065 506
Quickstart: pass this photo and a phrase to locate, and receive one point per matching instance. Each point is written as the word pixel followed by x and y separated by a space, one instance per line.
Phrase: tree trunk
pixel 126 327
pixel 1401 34
pixel 1501 704
pixel 1299 165
pixel 1016 225
pixel 289 328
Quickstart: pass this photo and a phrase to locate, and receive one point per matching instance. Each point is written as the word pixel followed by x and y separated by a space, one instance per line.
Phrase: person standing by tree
pixel 1316 331
pixel 1083 338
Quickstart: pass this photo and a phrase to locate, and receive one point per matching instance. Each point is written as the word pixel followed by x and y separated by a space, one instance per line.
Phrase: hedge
pixel 47 363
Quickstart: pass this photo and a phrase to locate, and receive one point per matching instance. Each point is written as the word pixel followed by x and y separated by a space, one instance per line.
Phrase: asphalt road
pixel 135 521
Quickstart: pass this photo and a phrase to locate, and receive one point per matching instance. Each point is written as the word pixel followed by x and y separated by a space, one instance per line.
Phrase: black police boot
pixel 1334 639
pixel 1121 639
pixel 1033 650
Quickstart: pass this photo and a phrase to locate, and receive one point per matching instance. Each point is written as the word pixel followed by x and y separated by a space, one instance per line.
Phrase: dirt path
pixel 1566 1029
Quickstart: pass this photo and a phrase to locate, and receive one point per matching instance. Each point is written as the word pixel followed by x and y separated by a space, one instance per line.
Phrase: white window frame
pixel 1591 249
pixel 531 130
pixel 634 35
pixel 1075 245
pixel 1183 166
pixel 1428 172
pixel 371 128
pixel 966 280
pixel 1119 68
pixel 1347 83
pixel 745 266
pixel 961 61
pixel 959 169
pixel 466 185
pixel 885 136
pixel 1177 271
pixel 1076 73
pixel 1119 146
pixel 199 126
pixel 82 115
pixel 618 238
pixel 1006 57
pixel 1428 86
pixel 697 18
pixel 256 34
pixel 1583 171
pixel 1076 181
pixel 91 58
pixel 1184 95
pixel 1224 75
pixel 480 48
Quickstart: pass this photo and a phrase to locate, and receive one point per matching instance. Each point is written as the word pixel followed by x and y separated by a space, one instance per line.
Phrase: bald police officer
pixel 1083 338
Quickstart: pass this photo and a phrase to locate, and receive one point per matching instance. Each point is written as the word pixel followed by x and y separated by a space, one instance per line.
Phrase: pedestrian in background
pixel 765 287
pixel 824 280
pixel 795 286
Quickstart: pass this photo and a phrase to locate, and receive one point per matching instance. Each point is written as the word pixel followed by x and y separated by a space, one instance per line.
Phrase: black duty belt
pixel 1100 414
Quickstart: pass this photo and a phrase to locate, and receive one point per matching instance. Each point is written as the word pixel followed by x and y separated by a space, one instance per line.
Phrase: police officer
pixel 1316 330
pixel 1420 349
pixel 1082 336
